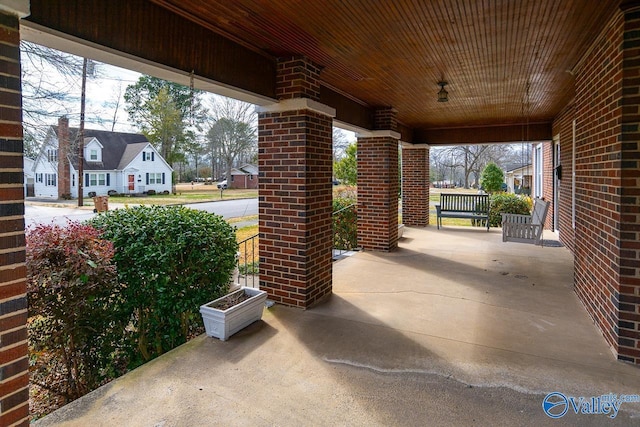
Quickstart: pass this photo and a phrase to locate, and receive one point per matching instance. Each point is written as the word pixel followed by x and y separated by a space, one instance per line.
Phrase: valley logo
pixel 556 404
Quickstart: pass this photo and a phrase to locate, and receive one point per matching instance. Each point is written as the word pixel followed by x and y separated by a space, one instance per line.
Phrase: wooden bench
pixel 526 228
pixel 467 206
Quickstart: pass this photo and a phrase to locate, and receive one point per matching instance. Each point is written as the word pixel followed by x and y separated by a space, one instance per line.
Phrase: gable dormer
pixel 92 150
pixel 148 154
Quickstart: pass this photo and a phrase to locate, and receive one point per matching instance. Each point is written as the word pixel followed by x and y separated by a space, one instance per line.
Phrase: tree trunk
pixel 466 168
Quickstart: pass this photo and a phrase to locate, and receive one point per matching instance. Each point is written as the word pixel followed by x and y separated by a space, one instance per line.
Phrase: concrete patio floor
pixel 455 328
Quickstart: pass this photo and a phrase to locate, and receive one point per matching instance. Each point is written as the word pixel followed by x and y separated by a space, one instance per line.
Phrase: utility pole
pixel 81 136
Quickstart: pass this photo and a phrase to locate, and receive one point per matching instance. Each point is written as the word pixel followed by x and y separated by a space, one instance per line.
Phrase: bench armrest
pixel 438 210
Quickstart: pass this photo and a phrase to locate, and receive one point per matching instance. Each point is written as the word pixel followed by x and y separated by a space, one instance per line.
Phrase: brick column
pixel 378 184
pixel 295 189
pixel 415 185
pixel 14 363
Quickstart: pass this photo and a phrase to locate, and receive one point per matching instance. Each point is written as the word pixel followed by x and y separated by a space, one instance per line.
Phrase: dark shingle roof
pixel 130 153
pixel 115 146
pixel 514 166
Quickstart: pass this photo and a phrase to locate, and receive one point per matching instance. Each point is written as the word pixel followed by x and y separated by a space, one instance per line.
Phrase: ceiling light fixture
pixel 443 95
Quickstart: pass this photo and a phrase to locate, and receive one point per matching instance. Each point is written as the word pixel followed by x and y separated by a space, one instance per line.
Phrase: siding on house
pixel 42 187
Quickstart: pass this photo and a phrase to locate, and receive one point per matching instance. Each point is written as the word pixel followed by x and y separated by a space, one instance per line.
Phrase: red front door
pixel 132 185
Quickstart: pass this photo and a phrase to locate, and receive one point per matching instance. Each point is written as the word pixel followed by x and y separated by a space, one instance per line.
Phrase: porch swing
pixel 526 228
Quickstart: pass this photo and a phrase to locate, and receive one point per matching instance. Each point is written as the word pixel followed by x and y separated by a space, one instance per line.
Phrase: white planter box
pixel 224 323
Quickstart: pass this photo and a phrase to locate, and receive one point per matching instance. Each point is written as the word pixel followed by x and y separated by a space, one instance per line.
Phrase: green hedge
pixel 345 223
pixel 172 259
pixel 507 203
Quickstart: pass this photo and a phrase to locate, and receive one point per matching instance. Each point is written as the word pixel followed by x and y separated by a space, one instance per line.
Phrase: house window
pixel 155 178
pixel 93 155
pixel 50 179
pixel 250 177
pixel 52 155
pixel 148 156
pixel 232 178
pixel 73 180
pixel 38 177
pixel 97 179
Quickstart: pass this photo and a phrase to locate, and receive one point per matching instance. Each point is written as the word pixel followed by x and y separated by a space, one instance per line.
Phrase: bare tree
pixel 438 164
pixel 51 88
pixel 43 96
pixel 232 134
pixel 115 102
pixel 468 161
pixel 340 143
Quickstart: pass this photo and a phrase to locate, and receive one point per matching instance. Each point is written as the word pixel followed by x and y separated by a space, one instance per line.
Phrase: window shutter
pixel 163 177
pixel 86 179
pixel 108 179
pixel 153 157
pixel 143 156
pixel 147 178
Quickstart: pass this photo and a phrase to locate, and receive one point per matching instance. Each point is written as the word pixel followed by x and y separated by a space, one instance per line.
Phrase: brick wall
pixel 415 186
pixel 629 323
pixel 14 365
pixel 598 180
pixel 295 206
pixel 378 193
pixel 563 128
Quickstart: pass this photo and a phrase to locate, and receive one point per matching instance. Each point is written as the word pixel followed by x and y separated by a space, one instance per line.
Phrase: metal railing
pixel 248 262
pixel 345 230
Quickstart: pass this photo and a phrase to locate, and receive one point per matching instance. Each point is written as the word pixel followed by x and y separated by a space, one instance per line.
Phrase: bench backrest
pixel 464 202
pixel 539 215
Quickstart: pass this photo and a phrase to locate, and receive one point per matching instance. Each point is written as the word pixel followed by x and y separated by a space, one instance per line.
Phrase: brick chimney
pixel 64 178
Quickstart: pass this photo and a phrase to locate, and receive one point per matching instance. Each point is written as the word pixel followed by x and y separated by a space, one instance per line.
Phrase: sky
pixel 103 93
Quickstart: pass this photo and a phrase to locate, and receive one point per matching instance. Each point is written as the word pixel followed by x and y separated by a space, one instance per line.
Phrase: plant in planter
pixel 225 316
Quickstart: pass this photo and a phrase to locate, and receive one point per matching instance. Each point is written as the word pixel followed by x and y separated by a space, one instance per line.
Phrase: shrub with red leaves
pixel 73 296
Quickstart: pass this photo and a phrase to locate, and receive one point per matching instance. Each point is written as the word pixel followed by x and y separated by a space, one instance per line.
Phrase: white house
pixel 29 178
pixel 122 162
pixel 518 178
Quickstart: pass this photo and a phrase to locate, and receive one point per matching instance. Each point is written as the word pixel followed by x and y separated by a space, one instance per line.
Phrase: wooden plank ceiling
pixel 494 54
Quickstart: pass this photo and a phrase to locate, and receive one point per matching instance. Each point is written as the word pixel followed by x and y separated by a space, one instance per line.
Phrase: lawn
pixel 449 221
pixel 246 232
pixel 187 193
pixel 249 249
pixel 434 196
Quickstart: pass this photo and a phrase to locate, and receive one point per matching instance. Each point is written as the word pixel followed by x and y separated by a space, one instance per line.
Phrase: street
pixel 57 213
